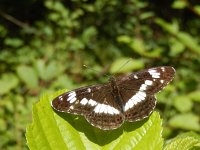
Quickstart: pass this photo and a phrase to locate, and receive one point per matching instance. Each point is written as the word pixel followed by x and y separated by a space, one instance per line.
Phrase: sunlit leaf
pixel 187 121
pixel 51 130
pixel 184 141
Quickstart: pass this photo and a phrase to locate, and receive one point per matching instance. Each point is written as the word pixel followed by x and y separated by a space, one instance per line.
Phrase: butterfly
pixel 129 98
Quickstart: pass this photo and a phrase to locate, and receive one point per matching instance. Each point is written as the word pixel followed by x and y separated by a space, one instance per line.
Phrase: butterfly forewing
pixel 129 98
pixel 137 90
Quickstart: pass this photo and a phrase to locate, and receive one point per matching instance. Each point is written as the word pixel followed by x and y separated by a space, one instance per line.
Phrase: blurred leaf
pixel 40 67
pixel 176 47
pixel 146 15
pixel 89 34
pixel 183 103
pixel 172 28
pixel 197 9
pixel 195 96
pixel 183 37
pixel 187 121
pixel 28 76
pixel 2 125
pixel 138 46
pixel 3 31
pixel 8 81
pixel 49 71
pixel 52 70
pixel 63 81
pixel 179 4
pixel 189 41
pixel 73 133
pixel 185 141
pixel 124 65
pixel 14 42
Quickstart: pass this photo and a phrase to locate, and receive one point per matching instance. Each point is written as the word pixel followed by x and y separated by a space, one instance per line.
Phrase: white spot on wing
pixel 161 81
pixel 71 95
pixel 138 97
pixel 154 73
pixel 89 90
pixel 71 107
pixel 163 69
pixel 92 102
pixel 60 98
pixel 143 87
pixel 84 101
pixel 72 100
pixel 148 82
pixel 103 108
pixel 135 76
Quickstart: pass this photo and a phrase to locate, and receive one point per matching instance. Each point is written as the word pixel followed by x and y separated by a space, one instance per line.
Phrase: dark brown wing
pixel 137 90
pixel 94 102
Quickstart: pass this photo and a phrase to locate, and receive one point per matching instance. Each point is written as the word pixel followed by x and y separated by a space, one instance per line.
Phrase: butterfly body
pixel 128 98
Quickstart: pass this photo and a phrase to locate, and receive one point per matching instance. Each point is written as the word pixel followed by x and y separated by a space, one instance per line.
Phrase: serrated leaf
pixel 51 130
pixel 124 65
pixel 7 82
pixel 28 75
pixel 184 141
pixel 187 121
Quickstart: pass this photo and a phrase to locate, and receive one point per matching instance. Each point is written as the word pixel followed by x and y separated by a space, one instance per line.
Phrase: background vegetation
pixel 44 45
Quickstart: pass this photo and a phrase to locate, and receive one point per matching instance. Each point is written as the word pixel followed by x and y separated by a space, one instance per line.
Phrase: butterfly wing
pixel 94 102
pixel 137 90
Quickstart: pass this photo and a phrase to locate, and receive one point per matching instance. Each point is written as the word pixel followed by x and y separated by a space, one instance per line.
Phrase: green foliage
pixel 8 82
pixel 74 132
pixel 179 121
pixel 184 142
pixel 44 45
pixel 28 76
pixel 128 65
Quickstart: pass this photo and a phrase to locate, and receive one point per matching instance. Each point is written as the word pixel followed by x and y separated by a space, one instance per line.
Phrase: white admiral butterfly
pixel 128 98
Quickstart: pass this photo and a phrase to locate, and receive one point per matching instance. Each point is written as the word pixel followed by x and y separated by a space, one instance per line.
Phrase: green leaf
pixel 52 70
pixel 185 38
pixel 14 42
pixel 197 9
pixel 28 75
pixel 41 69
pixel 51 130
pixel 179 4
pixel 183 103
pixel 195 96
pixel 124 65
pixel 187 121
pixel 138 46
pixel 8 82
pixel 184 141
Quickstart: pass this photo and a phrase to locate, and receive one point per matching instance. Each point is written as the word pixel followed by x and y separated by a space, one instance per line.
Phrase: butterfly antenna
pixel 95 70
pixel 124 64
